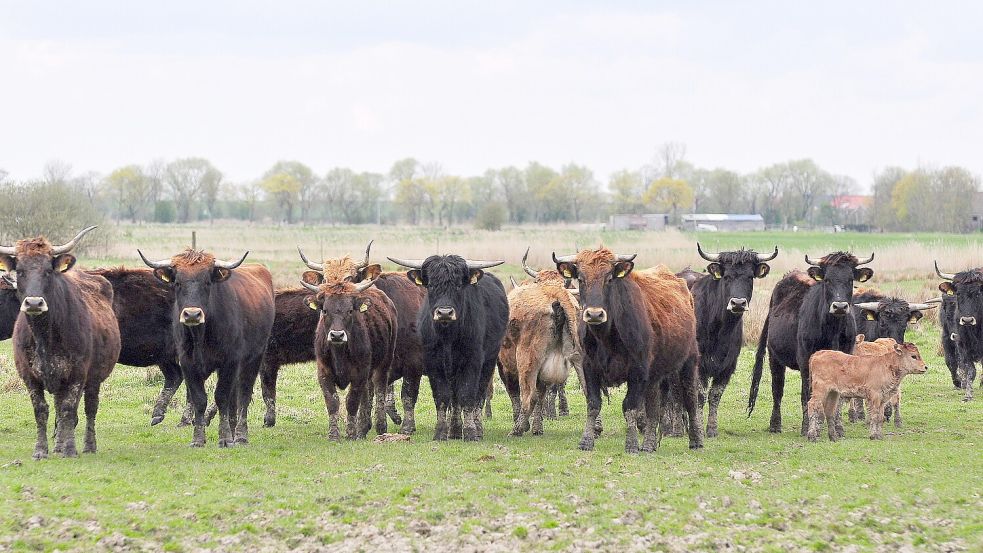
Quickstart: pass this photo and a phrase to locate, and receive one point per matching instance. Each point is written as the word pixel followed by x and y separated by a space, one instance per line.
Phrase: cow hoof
pixel 182 423
pixel 537 432
pixel 225 443
pixel 631 450
pixel 711 432
pixel 156 419
pixel 70 452
pixel 242 441
pixel 269 422
pixel 516 433
pixel 586 445
pixel 89 448
pixel 455 435
pixel 39 455
pixel 197 444
pixel 407 429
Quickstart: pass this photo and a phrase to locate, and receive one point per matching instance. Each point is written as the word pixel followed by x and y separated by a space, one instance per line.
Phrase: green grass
pixel 291 488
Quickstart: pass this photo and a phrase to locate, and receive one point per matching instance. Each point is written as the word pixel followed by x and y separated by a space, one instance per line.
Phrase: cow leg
pixel 225 389
pixel 382 393
pixel 896 404
pixel 857 410
pixel 331 403
pixel 247 383
pixel 875 418
pixel 268 376
pixel 198 401
pixel 67 403
pixel 830 402
pixel 537 410
pixel 512 388
pixel 54 434
pixel 592 393
pixel 804 398
pixel 686 388
pixel 528 388
pixel 391 403
pixel 409 392
pixel 816 410
pixel 365 403
pixel 91 408
pixel 631 406
pixel 549 409
pixel 456 425
pixel 352 401
pixel 187 416
pixel 653 413
pixel 172 380
pixel 715 394
pixel 562 409
pixel 777 391
pixel 441 391
pixel 36 391
pixel 488 398
pixel 968 377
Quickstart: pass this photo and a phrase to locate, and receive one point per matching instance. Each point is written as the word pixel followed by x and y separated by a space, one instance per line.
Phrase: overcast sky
pixel 858 86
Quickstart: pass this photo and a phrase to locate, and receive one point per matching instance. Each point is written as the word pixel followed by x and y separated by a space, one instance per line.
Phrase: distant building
pixel 647 221
pixel 976 213
pixel 854 211
pixel 723 222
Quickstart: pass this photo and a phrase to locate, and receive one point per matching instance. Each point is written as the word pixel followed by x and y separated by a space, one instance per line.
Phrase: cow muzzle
pixel 337 337
pixel 192 316
pixel 33 305
pixel 737 305
pixel 444 314
pixel 839 308
pixel 595 316
pixel 967 321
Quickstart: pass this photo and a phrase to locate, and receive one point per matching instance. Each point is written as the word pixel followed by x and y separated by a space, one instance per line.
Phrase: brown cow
pixel 66 339
pixel 540 345
pixel 355 342
pixel 874 377
pixel 641 330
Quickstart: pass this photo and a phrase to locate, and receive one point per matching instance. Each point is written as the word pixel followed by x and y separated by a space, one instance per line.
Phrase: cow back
pixel 142 305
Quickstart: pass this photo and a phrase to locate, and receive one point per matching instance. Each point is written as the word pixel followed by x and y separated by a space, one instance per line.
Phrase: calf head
pixel 447 279
pixel 341 305
pixel 911 359
pixel 891 316
pixel 967 288
pixel 191 275
pixel 39 268
pixel 736 271
pixel 835 273
pixel 345 269
pixel 597 272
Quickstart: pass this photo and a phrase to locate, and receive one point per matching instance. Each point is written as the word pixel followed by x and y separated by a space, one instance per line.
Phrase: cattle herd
pixel 672 338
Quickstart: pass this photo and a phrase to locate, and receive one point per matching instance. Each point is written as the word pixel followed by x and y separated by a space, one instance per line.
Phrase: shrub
pixel 491 216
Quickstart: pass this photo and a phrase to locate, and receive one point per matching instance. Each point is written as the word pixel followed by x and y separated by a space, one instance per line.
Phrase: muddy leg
pixel 67 402
pixel 537 410
pixel 715 394
pixel 815 411
pixel 268 376
pixel 777 391
pixel 488 399
pixel 382 391
pixel 456 431
pixel 391 403
pixel 172 380
pixel 91 408
pixel 653 411
pixel 549 409
pixel 409 391
pixel 40 419
pixel 224 390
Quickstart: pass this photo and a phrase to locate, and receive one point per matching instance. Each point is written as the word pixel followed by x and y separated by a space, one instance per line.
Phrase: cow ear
pixel 568 270
pixel 861 338
pixel 898 349
pixel 312 277
pixel 817 273
pixel 915 316
pixel 716 271
pixel 311 302
pixel 164 274
pixel 870 315
pixel 63 262
pixel 623 268
pixel 362 304
pixel 476 275
pixel 863 274
pixel 761 270
pixel 8 263
pixel 947 288
pixel 416 277
pixel 221 274
pixel 371 272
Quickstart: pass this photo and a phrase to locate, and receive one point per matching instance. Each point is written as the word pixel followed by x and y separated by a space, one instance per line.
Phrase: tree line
pixel 795 192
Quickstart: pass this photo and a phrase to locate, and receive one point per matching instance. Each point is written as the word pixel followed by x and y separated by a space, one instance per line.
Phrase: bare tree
pixel 187 178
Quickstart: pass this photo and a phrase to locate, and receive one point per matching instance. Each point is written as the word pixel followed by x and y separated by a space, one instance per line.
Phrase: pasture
pixel 921 487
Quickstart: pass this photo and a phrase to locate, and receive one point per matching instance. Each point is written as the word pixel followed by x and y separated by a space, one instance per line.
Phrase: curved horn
pixel 868 305
pixel 365 285
pixel 762 257
pixel 231 264
pixel 310 286
pixel 624 257
pixel 365 263
pixel 711 257
pixel 529 270
pixel 154 264
pixel 935 300
pixel 564 258
pixel 310 264
pixel 8 250
pixel 409 263
pixel 67 247
pixel 482 264
pixel 514 283
pixel 866 261
pixel 811 262
pixel 921 306
pixel 946 276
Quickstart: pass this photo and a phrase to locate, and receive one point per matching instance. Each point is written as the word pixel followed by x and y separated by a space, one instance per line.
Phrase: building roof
pixel 852 202
pixel 718 217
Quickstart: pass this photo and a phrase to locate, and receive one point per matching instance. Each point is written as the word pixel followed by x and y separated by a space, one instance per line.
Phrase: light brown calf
pixel 874 378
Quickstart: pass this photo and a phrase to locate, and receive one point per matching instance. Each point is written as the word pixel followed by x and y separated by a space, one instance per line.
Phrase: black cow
pixel 221 323
pixel 808 312
pixel 950 335
pixel 462 323
pixel 967 287
pixel 721 297
pixel 9 305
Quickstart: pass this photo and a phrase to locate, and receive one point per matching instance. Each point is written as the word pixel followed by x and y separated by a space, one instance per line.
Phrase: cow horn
pixel 811 262
pixel 10 278
pixel 946 276
pixel 934 300
pixel 482 264
pixel 310 264
pixel 310 286
pixel 711 257
pixel 365 285
pixel 921 306
pixel 625 257
pixel 564 258
pixel 529 270
pixel 869 305
pixel 231 264
pixel 866 261
pixel 154 264
pixel 67 247
pixel 365 263
pixel 514 283
pixel 8 250
pixel 409 263
pixel 762 257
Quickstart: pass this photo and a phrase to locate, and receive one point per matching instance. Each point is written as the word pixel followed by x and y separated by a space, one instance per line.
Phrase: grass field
pixel 921 487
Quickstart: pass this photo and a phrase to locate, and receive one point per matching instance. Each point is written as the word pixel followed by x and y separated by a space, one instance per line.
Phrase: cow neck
pixel 51 329
pixel 726 320
pixel 618 297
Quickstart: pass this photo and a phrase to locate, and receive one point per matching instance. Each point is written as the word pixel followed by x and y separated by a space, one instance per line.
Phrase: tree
pixel 187 178
pixel 282 188
pixel 626 189
pixel 883 215
pixel 665 194
pixel 131 188
pixel 539 180
pixel 512 182
pixel 304 181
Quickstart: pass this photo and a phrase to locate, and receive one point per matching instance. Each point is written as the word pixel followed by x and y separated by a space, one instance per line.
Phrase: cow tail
pixel 759 361
pixel 559 320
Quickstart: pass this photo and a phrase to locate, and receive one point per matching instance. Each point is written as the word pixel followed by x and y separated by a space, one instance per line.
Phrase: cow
pixel 967 288
pixel 721 297
pixel 9 305
pixel 407 298
pixel 461 323
pixel 66 340
pixel 540 345
pixel 820 299
pixel 949 324
pixel 354 344
pixel 221 320
pixel 640 329
pixel 882 316
pixel 874 377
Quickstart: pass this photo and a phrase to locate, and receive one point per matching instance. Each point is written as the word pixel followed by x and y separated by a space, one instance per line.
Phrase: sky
pixel 856 86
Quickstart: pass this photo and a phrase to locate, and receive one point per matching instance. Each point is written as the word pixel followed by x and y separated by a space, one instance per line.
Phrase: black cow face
pixel 192 286
pixel 446 278
pixel 967 288
pixel 891 321
pixel 338 313
pixel 38 273
pixel 837 281
pixel 737 281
